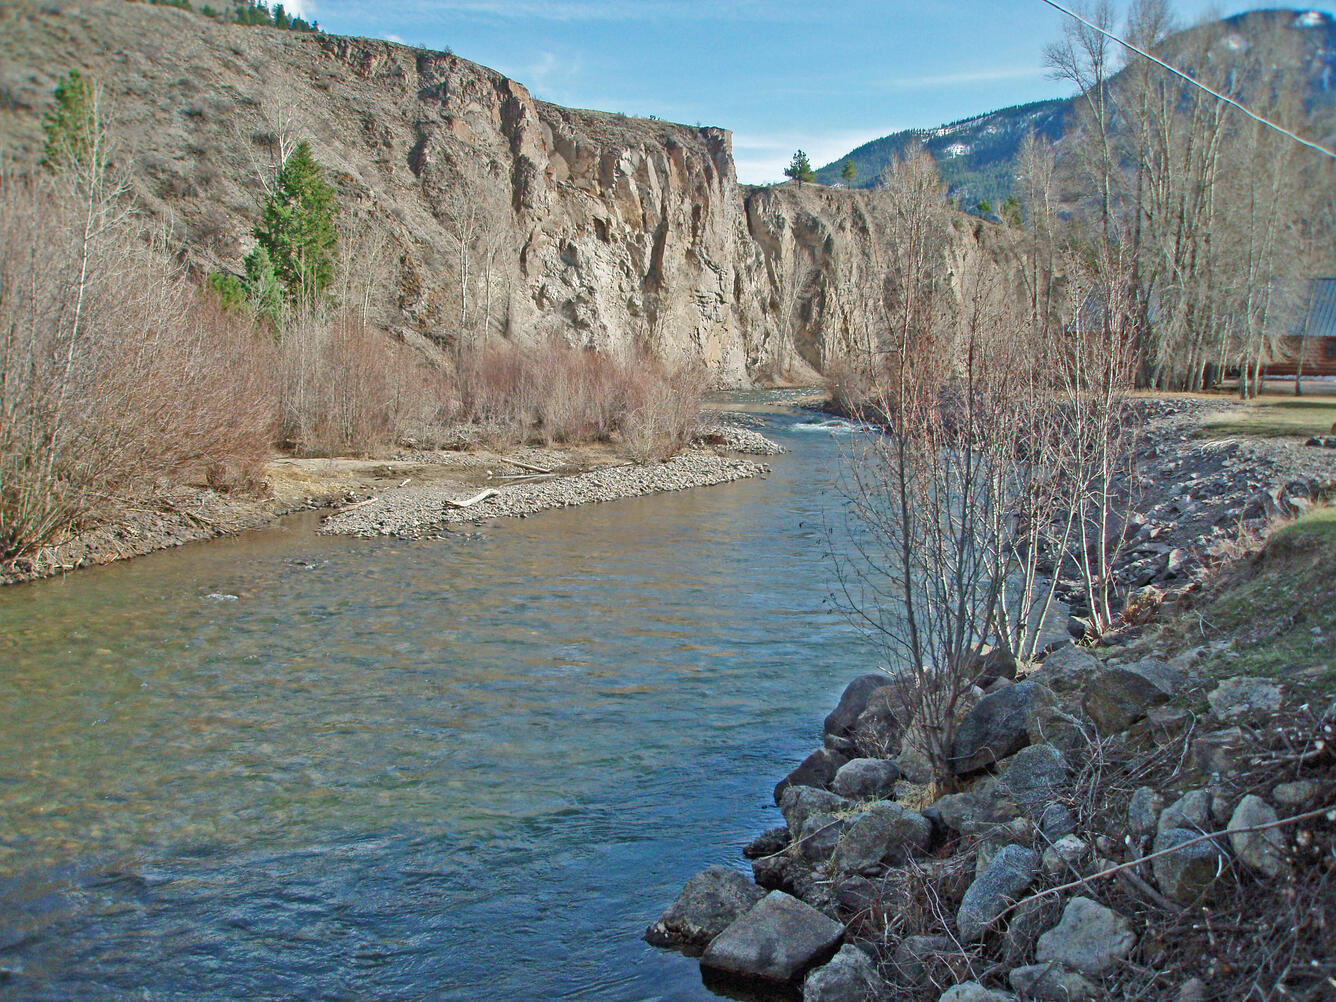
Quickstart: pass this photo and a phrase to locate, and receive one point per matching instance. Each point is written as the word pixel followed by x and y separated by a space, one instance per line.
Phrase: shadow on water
pixel 458 769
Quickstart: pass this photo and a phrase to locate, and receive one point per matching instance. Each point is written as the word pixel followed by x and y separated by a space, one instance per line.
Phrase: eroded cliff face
pixel 471 209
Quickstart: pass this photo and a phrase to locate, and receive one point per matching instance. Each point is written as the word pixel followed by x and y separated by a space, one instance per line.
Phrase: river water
pixel 287 766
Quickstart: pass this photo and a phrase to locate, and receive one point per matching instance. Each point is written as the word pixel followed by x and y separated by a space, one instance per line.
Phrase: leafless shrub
pixel 663 407
pixel 553 392
pixel 348 388
pixel 115 380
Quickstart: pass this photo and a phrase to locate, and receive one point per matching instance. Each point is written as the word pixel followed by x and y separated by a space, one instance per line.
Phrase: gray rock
pixel 817 770
pixel 1117 698
pixel 1143 810
pixel 709 902
pixel 1034 777
pixel 887 834
pixel 1264 851
pixel 1191 811
pixel 994 729
pixel 1048 983
pixel 1068 668
pixel 1064 726
pixel 866 779
pixel 914 956
pixel 780 873
pixel 1187 873
pixel 972 991
pixel 1090 938
pixel 1300 793
pixel 1009 873
pixel 993 665
pixel 820 835
pixel 1055 821
pixel 768 843
pixel 1064 855
pixel 961 812
pixel 777 941
pixel 854 894
pixel 1192 990
pixel 1242 697
pixel 850 976
pixel 853 702
pixel 799 802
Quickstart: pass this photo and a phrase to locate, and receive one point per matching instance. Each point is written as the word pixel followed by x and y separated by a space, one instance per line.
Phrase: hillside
pixel 469 209
pixel 975 155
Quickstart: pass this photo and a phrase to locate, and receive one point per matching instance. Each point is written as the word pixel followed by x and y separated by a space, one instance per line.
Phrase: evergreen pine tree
pixel 296 227
pixel 800 169
pixel 263 288
pixel 850 173
pixel 70 126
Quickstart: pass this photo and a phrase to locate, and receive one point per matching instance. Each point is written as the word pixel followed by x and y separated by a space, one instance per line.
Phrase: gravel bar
pixel 414 511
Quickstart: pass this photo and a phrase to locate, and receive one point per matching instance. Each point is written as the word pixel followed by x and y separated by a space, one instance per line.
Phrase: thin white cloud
pixel 390 36
pixel 301 8
pixel 969 78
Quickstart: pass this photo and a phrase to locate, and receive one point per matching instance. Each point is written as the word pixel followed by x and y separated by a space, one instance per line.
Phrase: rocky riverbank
pixel 410 495
pixel 1153 817
pixel 412 513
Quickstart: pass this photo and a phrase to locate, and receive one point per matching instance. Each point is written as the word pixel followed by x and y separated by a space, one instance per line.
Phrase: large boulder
pixel 1187 872
pixel 991 664
pixel 887 834
pixel 1263 850
pixel 797 803
pixel 1064 725
pixel 708 904
pixel 1034 777
pixel 1117 698
pixel 995 729
pixel 817 770
pixel 1006 877
pixel 850 976
pixel 778 941
pixel 1067 669
pixel 866 779
pixel 1090 938
pixel 840 722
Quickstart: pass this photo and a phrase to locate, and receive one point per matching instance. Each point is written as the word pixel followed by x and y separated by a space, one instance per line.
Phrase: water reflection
pixel 460 769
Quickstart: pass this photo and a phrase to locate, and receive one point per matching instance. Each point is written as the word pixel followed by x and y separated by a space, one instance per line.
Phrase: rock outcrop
pixel 470 208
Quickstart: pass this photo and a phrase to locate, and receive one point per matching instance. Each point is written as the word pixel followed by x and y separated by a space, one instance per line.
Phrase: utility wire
pixel 1196 83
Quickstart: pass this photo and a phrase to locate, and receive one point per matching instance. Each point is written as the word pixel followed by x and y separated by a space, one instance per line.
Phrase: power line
pixel 1196 83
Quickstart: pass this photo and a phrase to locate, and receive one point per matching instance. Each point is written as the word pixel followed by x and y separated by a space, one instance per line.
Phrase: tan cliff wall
pixel 599 228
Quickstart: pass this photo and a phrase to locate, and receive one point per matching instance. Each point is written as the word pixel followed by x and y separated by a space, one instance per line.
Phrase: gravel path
pixel 414 512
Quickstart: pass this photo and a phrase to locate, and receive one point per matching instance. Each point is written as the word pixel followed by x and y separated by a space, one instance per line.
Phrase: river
pixel 287 766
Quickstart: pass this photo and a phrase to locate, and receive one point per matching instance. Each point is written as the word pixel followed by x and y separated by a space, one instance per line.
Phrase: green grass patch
pixel 1279 609
pixel 1271 417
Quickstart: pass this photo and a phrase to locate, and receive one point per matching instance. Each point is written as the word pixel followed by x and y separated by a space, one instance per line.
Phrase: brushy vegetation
pixel 115 376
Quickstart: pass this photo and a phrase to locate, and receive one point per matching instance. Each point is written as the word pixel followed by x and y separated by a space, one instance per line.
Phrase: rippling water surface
pixel 467 769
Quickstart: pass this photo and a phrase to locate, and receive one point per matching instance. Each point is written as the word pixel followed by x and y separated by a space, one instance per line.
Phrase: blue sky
pixel 782 74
